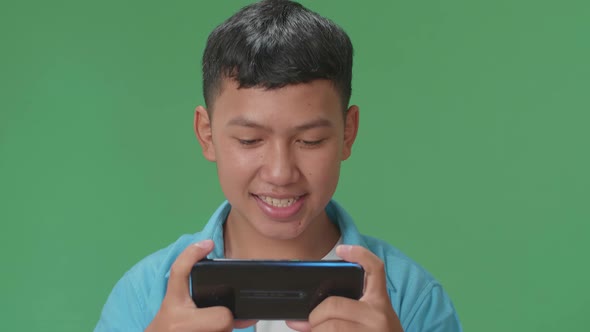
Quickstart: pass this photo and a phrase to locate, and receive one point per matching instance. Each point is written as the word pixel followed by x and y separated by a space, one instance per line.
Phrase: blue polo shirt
pixel 418 299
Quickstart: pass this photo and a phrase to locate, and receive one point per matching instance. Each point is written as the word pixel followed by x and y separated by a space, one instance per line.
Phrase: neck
pixel 242 241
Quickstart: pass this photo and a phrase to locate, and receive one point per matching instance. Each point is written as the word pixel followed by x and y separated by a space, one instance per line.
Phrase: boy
pixel 277 82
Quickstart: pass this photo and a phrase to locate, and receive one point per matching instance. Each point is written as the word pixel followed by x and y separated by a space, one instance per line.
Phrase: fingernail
pixel 205 244
pixel 344 248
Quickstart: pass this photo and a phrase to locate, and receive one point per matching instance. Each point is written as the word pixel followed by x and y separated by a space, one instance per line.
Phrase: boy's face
pixel 278 152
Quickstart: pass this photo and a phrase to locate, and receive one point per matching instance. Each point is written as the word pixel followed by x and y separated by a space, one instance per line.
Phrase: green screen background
pixel 472 158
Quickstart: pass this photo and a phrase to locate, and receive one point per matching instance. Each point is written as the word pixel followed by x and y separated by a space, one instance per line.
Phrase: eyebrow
pixel 244 122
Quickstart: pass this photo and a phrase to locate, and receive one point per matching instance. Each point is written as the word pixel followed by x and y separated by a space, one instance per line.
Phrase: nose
pixel 279 166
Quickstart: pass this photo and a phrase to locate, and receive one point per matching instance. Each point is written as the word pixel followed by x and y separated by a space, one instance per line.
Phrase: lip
pixel 280 213
pixel 279 196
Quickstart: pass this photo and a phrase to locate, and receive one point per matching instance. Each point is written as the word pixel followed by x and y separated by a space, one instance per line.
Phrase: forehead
pixel 316 98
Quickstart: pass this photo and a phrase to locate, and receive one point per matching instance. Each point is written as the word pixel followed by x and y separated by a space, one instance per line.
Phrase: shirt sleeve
pixel 124 309
pixel 434 313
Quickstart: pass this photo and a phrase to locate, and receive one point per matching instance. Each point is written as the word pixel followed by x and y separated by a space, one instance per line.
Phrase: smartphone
pixel 273 289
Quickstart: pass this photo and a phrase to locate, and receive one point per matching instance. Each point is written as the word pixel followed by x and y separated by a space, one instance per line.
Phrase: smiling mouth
pixel 279 202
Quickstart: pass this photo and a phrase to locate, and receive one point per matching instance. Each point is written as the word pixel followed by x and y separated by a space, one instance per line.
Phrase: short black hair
pixel 275 43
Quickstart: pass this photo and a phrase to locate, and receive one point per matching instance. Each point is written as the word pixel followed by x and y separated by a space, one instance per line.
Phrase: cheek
pixel 230 155
pixel 323 168
pixel 232 164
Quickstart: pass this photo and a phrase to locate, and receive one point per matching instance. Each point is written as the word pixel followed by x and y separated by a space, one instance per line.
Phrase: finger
pixel 339 325
pixel 242 324
pixel 212 319
pixel 374 269
pixel 297 325
pixel 339 308
pixel 178 288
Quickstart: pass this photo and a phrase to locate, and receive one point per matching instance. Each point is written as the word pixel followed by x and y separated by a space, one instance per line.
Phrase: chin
pixel 283 231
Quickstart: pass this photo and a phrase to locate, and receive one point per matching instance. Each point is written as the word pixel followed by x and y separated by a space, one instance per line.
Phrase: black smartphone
pixel 273 290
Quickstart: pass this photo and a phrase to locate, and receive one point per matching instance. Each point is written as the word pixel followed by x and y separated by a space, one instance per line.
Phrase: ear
pixel 204 133
pixel 351 126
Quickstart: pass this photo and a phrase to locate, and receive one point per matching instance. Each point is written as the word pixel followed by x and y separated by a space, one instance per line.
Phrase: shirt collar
pixel 214 228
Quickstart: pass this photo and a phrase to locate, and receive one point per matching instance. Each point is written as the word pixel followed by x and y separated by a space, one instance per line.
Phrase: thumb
pixel 178 287
pixel 301 326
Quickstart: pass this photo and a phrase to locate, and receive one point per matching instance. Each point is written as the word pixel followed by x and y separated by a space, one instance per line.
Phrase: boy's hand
pixel 178 311
pixel 373 312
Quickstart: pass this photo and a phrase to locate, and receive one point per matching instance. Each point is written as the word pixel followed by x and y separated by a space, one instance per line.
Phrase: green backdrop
pixel 472 158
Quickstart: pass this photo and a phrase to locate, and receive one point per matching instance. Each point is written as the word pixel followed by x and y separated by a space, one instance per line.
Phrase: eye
pixel 248 141
pixel 312 143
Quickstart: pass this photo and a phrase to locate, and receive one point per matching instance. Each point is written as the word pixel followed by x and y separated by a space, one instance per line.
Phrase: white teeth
pixel 278 202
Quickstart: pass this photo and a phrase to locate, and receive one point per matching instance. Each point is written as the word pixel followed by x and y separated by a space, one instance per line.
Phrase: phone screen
pixel 274 290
